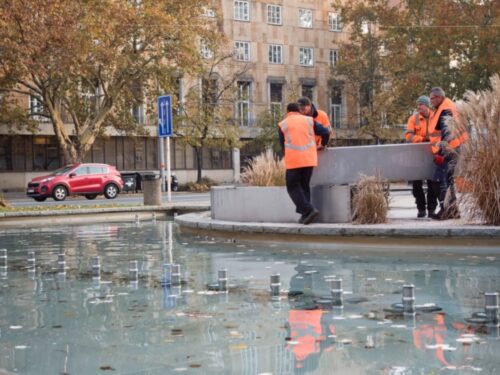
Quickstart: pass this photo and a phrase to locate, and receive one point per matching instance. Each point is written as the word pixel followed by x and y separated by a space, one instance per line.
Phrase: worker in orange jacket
pixel 307 108
pixel 445 145
pixel 417 131
pixel 296 134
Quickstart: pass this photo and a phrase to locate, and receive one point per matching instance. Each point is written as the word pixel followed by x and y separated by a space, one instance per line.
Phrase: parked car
pixel 86 179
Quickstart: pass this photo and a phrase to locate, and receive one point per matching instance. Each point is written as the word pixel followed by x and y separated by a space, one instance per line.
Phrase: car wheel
pixel 40 199
pixel 111 191
pixel 90 196
pixel 59 193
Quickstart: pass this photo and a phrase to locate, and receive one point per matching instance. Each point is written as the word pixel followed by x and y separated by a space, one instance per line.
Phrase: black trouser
pixel 297 185
pixel 418 193
pixel 443 179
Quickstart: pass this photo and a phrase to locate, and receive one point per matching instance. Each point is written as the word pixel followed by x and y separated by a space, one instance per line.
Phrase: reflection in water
pixel 78 324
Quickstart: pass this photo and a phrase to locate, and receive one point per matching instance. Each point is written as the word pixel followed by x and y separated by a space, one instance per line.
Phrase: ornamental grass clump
pixel 3 202
pixel 478 168
pixel 370 201
pixel 264 170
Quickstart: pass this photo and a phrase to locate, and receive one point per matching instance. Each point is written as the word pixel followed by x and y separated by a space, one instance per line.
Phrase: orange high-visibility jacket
pixel 323 120
pixel 436 136
pixel 300 147
pixel 417 128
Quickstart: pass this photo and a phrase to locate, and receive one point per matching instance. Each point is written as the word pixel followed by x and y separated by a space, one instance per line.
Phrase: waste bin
pixel 151 184
pixel 129 182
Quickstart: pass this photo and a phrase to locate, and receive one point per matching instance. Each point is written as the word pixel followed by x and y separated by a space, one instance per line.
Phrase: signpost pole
pixel 162 163
pixel 169 174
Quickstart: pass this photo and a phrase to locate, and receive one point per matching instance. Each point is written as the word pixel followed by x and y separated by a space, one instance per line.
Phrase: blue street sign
pixel 165 126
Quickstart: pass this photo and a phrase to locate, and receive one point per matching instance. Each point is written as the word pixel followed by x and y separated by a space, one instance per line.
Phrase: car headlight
pixel 47 179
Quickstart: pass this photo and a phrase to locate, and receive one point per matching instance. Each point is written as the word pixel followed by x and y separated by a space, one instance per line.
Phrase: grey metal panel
pixel 333 203
pixel 344 165
pixel 253 204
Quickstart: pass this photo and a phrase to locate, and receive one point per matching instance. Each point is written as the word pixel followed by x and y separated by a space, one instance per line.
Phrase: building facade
pixel 289 47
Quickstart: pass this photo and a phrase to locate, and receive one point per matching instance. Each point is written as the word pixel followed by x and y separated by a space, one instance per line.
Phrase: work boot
pixel 441 215
pixel 431 213
pixel 421 213
pixel 311 216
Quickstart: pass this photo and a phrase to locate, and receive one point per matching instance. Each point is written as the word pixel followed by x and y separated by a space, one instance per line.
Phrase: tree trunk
pixel 199 154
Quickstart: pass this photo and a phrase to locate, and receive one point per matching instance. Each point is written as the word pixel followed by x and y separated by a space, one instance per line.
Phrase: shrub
pixel 479 160
pixel 264 170
pixel 3 202
pixel 370 202
pixel 200 187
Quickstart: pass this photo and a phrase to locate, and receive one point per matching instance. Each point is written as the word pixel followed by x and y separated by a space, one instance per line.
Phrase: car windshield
pixel 63 170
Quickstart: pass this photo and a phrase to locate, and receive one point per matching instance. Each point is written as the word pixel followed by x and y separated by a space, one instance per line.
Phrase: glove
pixel 438 160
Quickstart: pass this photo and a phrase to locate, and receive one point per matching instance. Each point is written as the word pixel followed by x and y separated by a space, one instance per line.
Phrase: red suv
pixel 77 179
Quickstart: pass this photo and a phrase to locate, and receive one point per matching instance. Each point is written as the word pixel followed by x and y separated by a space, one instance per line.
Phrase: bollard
pixel 31 261
pixel 275 285
pixel 175 275
pixel 133 271
pixel 154 217
pixel 3 257
pixel 222 279
pixel 491 306
pixel 337 292
pixel 137 221
pixel 96 267
pixel 409 299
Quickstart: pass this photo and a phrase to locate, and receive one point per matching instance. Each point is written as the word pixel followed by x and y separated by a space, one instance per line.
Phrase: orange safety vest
pixel 300 147
pixel 306 330
pixel 323 120
pixel 436 136
pixel 415 131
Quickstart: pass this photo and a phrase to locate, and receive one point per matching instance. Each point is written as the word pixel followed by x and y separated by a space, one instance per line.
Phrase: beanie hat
pixel 424 100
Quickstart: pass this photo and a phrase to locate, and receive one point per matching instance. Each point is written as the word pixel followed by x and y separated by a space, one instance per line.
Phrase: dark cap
pixel 304 101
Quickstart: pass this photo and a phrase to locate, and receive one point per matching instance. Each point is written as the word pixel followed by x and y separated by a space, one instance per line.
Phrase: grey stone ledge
pixel 454 229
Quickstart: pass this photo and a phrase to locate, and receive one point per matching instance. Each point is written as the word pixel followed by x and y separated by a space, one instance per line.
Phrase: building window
pixel 276 100
pixel 36 108
pixel 306 56
pixel 336 107
pixel 334 21
pixel 274 14
pixel 208 12
pixel 334 57
pixel 241 10
pixel 209 88
pixel 242 51
pixel 243 103
pixel 308 91
pixel 205 50
pixel 365 27
pixel 306 18
pixel 45 153
pixel 138 113
pixel 275 54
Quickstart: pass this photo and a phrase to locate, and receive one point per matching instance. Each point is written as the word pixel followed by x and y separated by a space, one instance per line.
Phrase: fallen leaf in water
pixel 238 347
pixel 106 368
